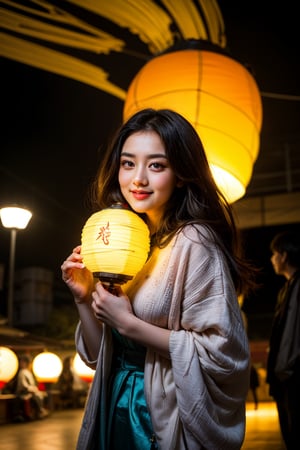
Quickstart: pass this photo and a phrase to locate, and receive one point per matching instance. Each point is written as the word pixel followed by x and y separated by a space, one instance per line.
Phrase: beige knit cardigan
pixel 197 398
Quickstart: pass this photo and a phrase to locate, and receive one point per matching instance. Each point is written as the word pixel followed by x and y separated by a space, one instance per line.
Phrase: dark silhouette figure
pixel 283 369
pixel 65 383
pixel 254 384
pixel 71 388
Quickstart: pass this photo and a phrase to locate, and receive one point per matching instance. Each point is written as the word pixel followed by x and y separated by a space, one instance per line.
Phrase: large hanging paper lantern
pixel 9 364
pixel 115 244
pixel 221 100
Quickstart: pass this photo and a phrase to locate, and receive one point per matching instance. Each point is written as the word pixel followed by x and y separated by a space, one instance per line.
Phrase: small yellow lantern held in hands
pixel 115 244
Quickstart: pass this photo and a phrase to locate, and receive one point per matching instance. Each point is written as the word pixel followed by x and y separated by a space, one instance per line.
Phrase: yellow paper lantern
pixel 84 372
pixel 47 367
pixel 9 364
pixel 218 96
pixel 115 244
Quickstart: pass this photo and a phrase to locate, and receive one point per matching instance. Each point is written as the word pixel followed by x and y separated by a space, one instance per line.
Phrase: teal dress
pixel 129 423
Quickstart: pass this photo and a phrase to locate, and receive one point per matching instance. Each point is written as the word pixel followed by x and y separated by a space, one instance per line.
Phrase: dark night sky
pixel 53 131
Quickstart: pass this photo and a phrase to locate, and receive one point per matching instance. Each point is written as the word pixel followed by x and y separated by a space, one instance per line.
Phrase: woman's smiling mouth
pixel 140 195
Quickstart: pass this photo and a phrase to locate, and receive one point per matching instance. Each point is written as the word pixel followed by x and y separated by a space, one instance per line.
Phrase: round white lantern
pixel 9 364
pixel 47 367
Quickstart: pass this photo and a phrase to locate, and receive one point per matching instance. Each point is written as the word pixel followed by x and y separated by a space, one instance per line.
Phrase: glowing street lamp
pixel 14 218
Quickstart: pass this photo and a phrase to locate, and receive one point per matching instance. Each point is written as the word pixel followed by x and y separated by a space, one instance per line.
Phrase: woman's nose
pixel 140 178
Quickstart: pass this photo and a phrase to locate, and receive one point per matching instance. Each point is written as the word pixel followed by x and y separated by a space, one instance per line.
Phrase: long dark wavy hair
pixel 198 201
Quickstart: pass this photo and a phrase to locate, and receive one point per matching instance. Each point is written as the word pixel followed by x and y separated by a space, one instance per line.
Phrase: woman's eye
pixel 126 163
pixel 157 166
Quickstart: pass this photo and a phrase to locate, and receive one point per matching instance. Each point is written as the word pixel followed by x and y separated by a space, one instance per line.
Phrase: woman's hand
pixel 115 310
pixel 77 277
pixel 112 308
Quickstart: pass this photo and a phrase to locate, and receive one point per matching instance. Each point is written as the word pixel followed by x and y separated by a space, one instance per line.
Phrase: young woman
pixel 170 349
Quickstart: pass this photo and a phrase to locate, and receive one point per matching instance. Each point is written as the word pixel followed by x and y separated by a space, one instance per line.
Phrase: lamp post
pixel 14 218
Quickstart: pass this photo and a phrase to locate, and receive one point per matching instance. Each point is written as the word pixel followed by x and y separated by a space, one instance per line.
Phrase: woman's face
pixel 145 176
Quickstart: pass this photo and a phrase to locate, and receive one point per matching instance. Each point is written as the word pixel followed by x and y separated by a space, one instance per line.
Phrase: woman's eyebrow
pixel 153 155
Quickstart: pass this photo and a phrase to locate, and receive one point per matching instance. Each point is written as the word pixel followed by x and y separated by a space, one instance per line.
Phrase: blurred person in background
pixel 71 388
pixel 254 384
pixel 28 392
pixel 283 368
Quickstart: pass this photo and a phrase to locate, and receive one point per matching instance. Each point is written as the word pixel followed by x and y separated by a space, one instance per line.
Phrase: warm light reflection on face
pixel 146 179
pixel 278 261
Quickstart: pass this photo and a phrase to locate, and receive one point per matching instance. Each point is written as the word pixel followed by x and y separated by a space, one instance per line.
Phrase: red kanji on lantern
pixel 104 234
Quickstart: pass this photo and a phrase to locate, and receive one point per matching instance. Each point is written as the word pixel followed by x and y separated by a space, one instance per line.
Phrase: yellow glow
pixel 82 370
pixel 228 183
pixel 220 99
pixel 115 241
pixel 47 367
pixel 8 364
